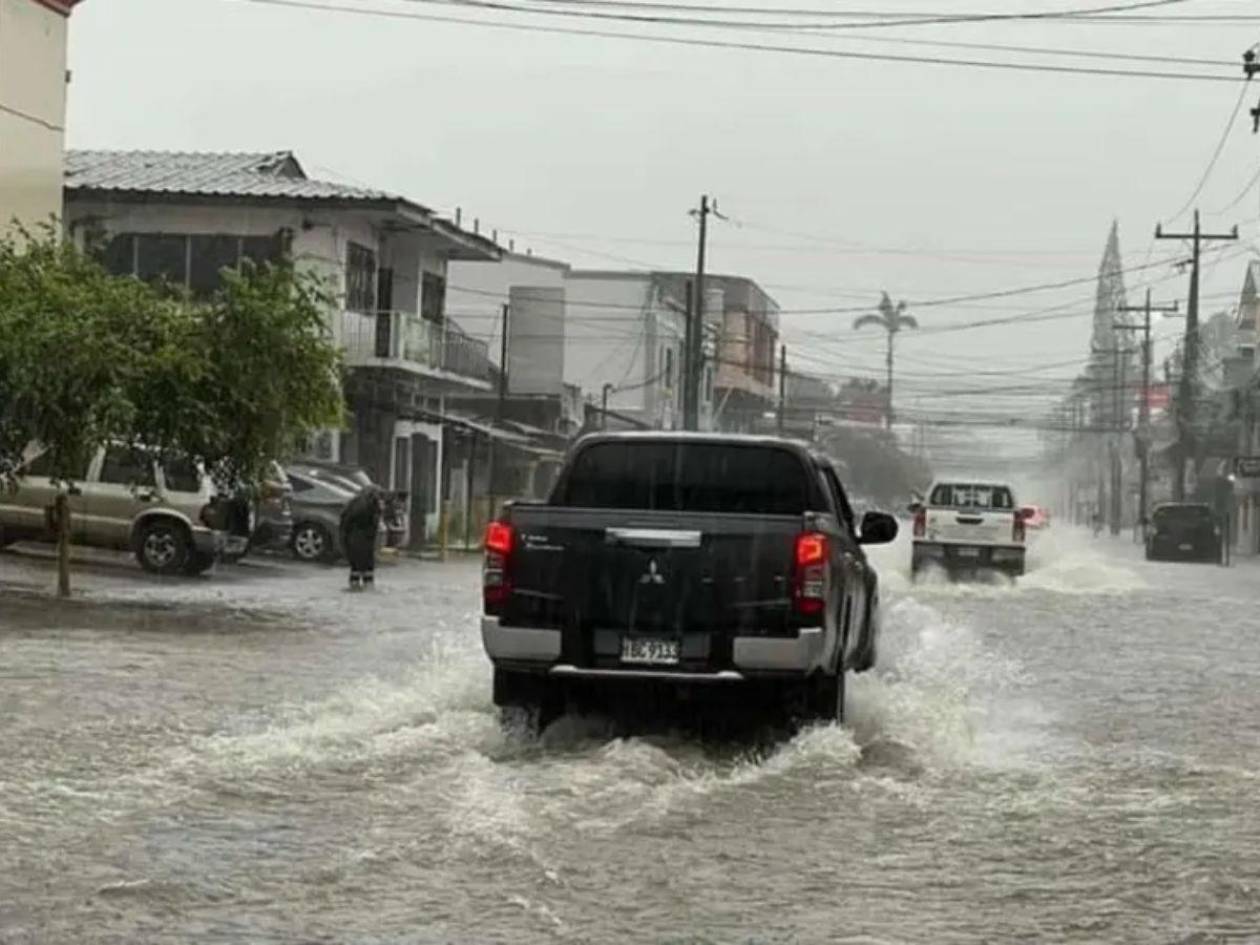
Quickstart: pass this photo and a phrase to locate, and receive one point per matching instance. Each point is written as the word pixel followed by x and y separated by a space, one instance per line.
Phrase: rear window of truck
pixel 686 477
pixel 958 495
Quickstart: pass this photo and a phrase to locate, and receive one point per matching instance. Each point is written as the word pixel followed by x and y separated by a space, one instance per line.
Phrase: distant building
pixel 1244 382
pixel 184 217
pixel 33 81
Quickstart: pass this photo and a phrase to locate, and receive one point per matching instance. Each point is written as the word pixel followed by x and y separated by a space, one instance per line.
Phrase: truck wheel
pixel 822 698
pixel 528 702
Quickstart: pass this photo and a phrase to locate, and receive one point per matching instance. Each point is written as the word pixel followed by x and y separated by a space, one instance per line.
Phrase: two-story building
pixel 32 109
pixel 183 217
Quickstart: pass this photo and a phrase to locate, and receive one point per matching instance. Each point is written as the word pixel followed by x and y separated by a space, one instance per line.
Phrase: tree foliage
pixel 87 358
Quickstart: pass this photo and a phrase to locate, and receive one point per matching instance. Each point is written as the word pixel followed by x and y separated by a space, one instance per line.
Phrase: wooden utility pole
pixel 498 408
pixel 1143 435
pixel 695 321
pixel 782 385
pixel 1190 360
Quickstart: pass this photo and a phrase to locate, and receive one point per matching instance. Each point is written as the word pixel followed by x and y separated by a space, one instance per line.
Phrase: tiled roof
pixel 276 175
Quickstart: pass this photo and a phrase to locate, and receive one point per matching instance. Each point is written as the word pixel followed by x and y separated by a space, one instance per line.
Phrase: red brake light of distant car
pixel 920 523
pixel 809 584
pixel 496 582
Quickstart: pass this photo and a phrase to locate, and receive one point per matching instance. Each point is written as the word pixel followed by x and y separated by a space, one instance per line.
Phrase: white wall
pixel 477 291
pixel 33 93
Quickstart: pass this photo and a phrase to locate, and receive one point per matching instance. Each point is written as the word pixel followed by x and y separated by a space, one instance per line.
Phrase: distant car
pixel 1185 530
pixel 969 526
pixel 1036 517
pixel 354 478
pixel 317 506
pixel 167 513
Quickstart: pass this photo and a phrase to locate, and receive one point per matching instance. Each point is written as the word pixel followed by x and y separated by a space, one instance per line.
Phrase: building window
pixel 193 261
pixel 360 278
pixel 433 297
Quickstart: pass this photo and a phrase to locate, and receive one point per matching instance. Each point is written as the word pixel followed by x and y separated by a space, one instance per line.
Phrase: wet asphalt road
pixel 259 757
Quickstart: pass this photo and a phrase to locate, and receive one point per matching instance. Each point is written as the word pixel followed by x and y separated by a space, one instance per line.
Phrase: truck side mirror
pixel 878 528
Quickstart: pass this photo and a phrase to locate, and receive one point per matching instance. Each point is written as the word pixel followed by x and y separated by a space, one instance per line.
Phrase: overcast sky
pixel 592 149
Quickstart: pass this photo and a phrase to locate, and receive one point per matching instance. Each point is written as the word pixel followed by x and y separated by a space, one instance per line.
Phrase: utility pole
pixel 695 319
pixel 782 385
pixel 1143 436
pixel 1114 478
pixel 498 406
pixel 1190 362
pixel 603 413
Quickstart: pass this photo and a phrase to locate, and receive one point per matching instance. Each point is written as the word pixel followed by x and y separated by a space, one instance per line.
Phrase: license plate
pixel 648 650
pixel 1185 546
pixel 967 552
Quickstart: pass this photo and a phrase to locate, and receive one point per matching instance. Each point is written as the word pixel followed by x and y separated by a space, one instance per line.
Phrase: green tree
pixel 892 319
pixel 75 343
pixel 87 358
pixel 269 375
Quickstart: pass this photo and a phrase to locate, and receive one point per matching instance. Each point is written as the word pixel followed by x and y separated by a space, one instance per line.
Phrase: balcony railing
pixel 409 339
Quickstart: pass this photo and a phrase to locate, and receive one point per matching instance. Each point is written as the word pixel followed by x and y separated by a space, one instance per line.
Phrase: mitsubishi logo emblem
pixel 652 575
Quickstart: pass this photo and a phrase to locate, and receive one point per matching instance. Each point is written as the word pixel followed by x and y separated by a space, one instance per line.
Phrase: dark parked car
pixel 1187 531
pixel 680 565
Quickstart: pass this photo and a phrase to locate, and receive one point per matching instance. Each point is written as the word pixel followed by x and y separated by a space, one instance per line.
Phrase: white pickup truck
pixel 969 526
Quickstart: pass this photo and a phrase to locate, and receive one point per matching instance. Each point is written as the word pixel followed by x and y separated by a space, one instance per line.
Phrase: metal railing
pixel 371 337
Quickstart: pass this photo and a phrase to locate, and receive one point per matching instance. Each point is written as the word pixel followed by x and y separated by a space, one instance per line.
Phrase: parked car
pixel 166 513
pixel 1185 530
pixel 967 527
pixel 354 478
pixel 683 561
pixel 317 503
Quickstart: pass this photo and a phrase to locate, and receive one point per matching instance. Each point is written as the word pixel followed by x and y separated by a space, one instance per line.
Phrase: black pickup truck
pixel 664 562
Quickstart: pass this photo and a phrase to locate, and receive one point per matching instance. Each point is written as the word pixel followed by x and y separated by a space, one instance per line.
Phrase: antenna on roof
pixel 476 224
pixel 459 213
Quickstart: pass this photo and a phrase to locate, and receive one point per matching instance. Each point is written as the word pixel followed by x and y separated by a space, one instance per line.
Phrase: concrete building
pixel 33 81
pixel 185 217
pixel 1246 375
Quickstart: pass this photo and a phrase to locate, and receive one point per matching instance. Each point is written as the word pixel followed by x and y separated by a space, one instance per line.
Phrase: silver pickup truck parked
pixel 670 561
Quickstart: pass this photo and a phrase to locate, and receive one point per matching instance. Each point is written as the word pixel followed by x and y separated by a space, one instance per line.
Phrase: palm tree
pixel 892 320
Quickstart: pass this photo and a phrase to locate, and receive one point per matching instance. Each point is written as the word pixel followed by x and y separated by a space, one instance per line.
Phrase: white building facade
pixel 184 217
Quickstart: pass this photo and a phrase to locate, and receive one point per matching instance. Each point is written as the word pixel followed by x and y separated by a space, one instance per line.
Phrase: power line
pixel 1216 155
pixel 660 14
pixel 745 46
pixel 1255 178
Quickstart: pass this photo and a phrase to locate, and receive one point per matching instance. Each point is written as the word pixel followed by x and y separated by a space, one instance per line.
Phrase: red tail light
pixel 496 583
pixel 809 584
pixel 920 523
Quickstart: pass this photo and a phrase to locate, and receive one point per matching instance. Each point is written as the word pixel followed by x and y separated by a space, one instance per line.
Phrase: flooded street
pixel 260 757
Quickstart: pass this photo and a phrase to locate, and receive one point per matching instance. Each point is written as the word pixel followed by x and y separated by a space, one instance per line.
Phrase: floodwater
pixel 259 757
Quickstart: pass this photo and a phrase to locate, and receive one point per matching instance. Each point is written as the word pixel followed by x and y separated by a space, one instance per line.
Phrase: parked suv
pixel 167 513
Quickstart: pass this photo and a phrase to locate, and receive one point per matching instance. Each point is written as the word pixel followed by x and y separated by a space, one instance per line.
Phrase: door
pixel 423 487
pixel 124 485
pixel 384 309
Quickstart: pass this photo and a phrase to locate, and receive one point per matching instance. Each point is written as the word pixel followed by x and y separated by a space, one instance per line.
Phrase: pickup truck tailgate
pixel 970 525
pixel 603 574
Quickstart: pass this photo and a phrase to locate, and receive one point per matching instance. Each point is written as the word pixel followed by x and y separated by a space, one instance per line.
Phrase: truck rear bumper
pixel 800 654
pixel 519 643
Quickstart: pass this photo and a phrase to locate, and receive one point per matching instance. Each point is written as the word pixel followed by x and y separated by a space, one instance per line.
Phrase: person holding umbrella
pixel 360 524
